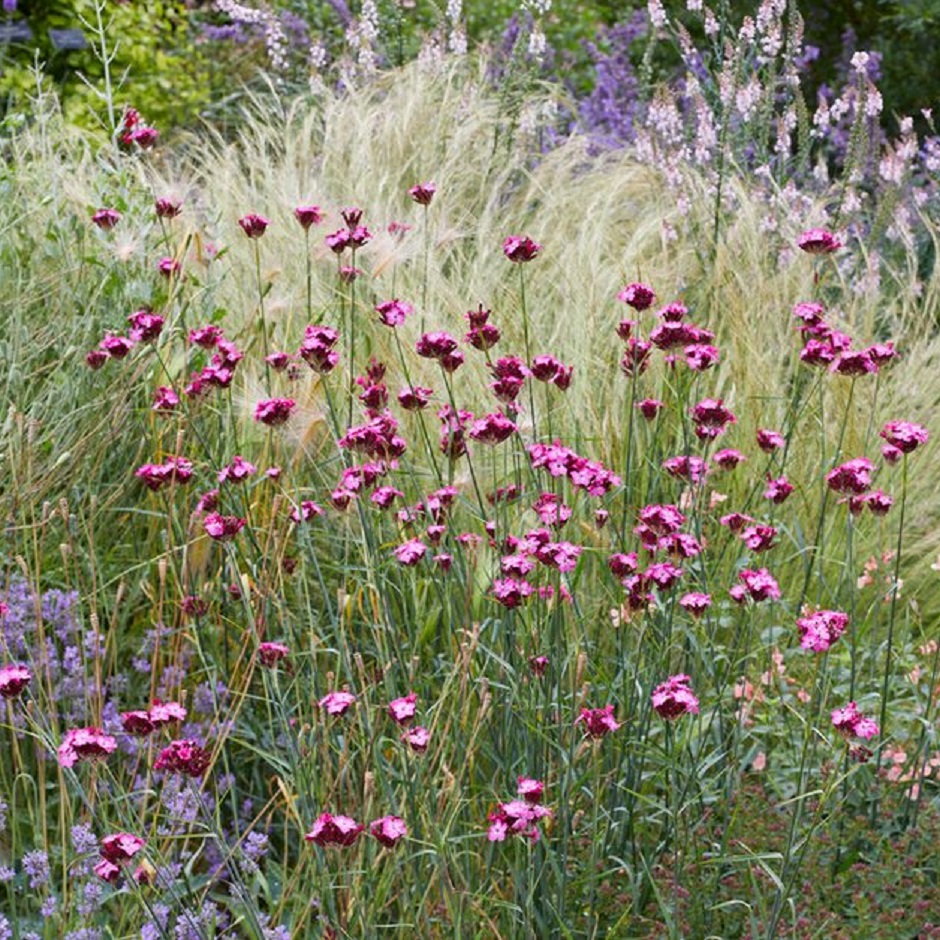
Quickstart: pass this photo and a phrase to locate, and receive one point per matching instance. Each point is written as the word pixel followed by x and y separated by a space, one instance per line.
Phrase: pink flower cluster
pixel 674 698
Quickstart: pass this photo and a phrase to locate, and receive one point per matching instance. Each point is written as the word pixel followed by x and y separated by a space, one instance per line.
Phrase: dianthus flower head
pixel 271 654
pixel 851 723
pixel 529 789
pixel 167 207
pixel 388 831
pixel 13 679
pixel 85 744
pixel 819 630
pixel 637 295
pixel 106 219
pixel 728 458
pixel 650 407
pixel 393 312
pixel 492 429
pixel 223 528
pixel 520 248
pixel 778 490
pixel 121 847
pixel 237 471
pixel 852 477
pixel 334 830
pixel 769 441
pixel 337 703
pixel 904 435
pixel 402 710
pixel 598 721
pixel 307 216
pixel 674 698
pixel 185 757
pixel 253 225
pixel 273 412
pixel 145 326
pixel 695 603
pixel 818 241
pixel 417 738
pixel 435 345
pixel 760 585
pixel 423 193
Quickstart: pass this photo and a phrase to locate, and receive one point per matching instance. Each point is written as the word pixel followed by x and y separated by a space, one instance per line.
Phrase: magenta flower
pixel 657 520
pixel 96 359
pixel 352 216
pixel 156 476
pixel 700 356
pixel 337 703
pixel 388 831
pixel 414 399
pixel 411 552
pixel 711 418
pixel 206 336
pixel 317 348
pixel 169 267
pixel 650 407
pixel 121 847
pixel 735 521
pixel 308 215
pixel 759 585
pixel 417 738
pixel 904 435
pixel 165 713
pixel 423 193
pixel 878 502
pixel 223 528
pixel 758 538
pixel 674 698
pixel 13 679
pixel 818 241
pixel 271 654
pixel 636 357
pixel 274 411
pixel 695 603
pixel 511 592
pixel 516 818
pixel 165 399
pixel 663 574
pixel 519 249
pixel 854 362
pixel 530 790
pixel 393 312
pixel 167 207
pixel 853 477
pixel 623 565
pixel 403 709
pixel 237 471
pixel 145 326
pixel 253 225
pixel 778 490
pixel 769 441
pixel 492 429
pixel 107 871
pixel 85 744
pixel 598 721
pixel 337 241
pixel 334 830
pixel 186 757
pixel 106 219
pixel 137 722
pixel 435 345
pixel 819 630
pixel 851 723
pixel 278 361
pixel 638 296
pixel 728 458
pixel 690 468
pixel 117 347
pixel 145 137
pixel 538 665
